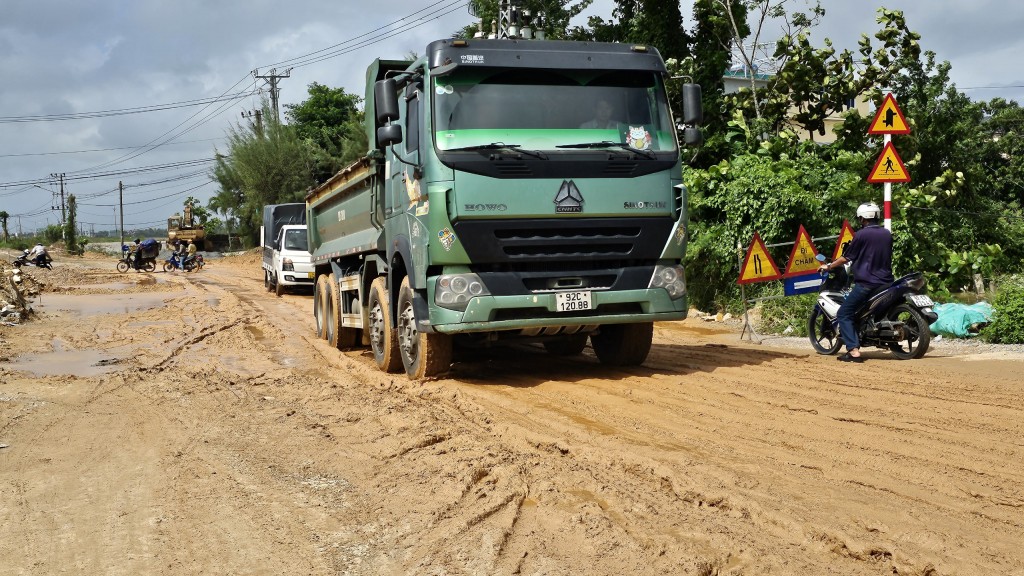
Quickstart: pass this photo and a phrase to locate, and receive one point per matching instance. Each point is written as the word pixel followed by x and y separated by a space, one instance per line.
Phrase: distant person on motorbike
pixel 870 251
pixel 38 254
pixel 190 254
pixel 136 253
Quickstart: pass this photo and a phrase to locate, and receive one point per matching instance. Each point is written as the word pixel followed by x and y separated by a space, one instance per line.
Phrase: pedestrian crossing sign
pixel 758 266
pixel 889 167
pixel 889 119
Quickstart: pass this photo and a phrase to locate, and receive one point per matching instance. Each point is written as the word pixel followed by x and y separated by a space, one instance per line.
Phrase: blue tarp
pixel 957 319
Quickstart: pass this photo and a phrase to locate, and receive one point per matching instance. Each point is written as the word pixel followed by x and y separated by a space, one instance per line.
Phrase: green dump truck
pixel 513 191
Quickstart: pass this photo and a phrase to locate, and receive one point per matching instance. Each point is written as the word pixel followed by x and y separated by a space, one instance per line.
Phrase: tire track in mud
pixel 710 458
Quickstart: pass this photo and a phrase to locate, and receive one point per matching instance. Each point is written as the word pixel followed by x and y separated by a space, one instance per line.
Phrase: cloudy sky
pixel 142 91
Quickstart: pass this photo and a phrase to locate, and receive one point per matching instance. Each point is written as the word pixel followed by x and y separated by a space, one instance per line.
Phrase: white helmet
pixel 868 211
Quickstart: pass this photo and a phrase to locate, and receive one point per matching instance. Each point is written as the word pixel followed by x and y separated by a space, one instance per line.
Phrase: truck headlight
pixel 453 291
pixel 287 264
pixel 671 278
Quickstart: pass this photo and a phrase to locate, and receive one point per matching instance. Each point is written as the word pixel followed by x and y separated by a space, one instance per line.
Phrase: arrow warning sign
pixel 758 266
pixel 889 167
pixel 802 260
pixel 889 119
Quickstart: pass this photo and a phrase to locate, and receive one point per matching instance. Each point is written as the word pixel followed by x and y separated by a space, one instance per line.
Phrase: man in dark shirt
pixel 871 254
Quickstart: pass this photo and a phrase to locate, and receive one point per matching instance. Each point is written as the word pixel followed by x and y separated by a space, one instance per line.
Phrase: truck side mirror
pixel 692 136
pixel 388 135
pixel 385 100
pixel 693 110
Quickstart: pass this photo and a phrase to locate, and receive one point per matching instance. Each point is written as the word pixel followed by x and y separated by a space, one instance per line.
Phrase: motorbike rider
pixel 190 254
pixel 38 254
pixel 136 251
pixel 870 251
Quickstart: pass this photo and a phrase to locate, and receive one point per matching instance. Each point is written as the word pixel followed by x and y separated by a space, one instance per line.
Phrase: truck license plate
pixel 309 275
pixel 572 301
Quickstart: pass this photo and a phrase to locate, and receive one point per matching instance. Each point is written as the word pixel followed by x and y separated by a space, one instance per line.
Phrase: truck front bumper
pixel 490 313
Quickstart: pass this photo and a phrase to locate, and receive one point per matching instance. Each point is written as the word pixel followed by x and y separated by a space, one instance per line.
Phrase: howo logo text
pixel 485 207
pixel 649 205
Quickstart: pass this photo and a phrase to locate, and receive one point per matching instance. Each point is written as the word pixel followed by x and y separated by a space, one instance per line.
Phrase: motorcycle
pixel 127 262
pixel 23 260
pixel 175 263
pixel 895 318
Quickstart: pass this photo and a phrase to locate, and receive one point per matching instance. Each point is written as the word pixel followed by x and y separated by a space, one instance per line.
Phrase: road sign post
pixel 889 120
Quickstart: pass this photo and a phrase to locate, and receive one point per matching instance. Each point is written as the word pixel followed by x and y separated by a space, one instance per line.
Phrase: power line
pixel 121 111
pixel 101 149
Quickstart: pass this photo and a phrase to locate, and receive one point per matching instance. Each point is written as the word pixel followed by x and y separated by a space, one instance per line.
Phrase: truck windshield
pixel 296 240
pixel 546 109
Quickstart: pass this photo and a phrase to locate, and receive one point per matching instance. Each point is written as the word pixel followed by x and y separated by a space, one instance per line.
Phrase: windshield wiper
pixel 501 146
pixel 610 144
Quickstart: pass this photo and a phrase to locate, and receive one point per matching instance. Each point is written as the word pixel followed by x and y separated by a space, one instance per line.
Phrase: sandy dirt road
pixel 169 424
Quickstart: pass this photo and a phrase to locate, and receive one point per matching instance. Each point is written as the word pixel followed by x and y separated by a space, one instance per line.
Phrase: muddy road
pixel 181 425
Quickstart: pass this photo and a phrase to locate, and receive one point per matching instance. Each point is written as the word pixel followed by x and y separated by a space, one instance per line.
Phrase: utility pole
pixel 120 201
pixel 271 78
pixel 63 209
pixel 258 114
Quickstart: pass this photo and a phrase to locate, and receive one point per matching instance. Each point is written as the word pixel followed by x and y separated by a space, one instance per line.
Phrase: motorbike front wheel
pixel 122 266
pixel 916 335
pixel 823 336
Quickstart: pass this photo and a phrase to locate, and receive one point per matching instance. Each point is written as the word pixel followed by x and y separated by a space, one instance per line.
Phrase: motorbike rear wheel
pixel 916 335
pixel 149 266
pixel 824 338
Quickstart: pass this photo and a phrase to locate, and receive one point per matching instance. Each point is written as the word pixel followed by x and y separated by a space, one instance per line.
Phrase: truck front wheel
pixel 623 344
pixel 383 340
pixel 423 354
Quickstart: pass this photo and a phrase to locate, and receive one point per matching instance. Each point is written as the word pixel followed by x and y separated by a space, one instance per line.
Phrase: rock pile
pixel 15 288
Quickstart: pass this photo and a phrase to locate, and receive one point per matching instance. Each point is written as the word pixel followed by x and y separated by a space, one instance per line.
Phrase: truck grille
pixel 590 240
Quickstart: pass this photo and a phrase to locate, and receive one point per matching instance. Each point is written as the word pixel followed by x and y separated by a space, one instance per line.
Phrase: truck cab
pixel 290 265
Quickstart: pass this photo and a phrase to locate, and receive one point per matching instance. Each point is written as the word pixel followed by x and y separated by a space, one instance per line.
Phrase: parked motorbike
pixel 23 260
pixel 175 263
pixel 127 262
pixel 895 319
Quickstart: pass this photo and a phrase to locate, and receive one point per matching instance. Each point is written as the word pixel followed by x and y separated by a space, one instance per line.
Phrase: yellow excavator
pixel 184 228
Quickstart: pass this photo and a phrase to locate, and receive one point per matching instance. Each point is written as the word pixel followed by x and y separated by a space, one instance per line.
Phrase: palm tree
pixel 3 221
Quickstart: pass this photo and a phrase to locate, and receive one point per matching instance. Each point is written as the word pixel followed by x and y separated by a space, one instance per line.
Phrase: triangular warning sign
pixel 758 266
pixel 802 260
pixel 889 167
pixel 889 119
pixel 845 237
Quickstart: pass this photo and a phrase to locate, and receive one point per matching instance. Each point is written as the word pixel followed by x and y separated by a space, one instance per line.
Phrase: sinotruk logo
pixel 568 198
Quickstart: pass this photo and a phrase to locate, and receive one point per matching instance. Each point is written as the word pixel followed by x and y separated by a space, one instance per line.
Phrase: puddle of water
pixel 72 362
pixel 94 304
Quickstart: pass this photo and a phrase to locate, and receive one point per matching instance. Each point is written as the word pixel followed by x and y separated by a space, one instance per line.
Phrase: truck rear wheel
pixel 623 344
pixel 319 291
pixel 423 354
pixel 339 336
pixel 383 340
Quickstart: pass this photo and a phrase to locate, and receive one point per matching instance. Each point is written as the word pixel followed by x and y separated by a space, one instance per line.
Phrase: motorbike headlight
pixel 671 278
pixel 454 291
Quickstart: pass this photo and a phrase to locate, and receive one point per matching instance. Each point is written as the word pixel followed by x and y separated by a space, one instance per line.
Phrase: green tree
pixel 655 22
pixel 3 221
pixel 555 23
pixel 330 123
pixel 71 226
pixel 271 166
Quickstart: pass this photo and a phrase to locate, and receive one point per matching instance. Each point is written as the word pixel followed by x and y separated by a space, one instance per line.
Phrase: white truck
pixel 286 262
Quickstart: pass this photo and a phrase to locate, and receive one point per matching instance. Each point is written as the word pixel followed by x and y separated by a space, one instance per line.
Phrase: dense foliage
pixel 1007 324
